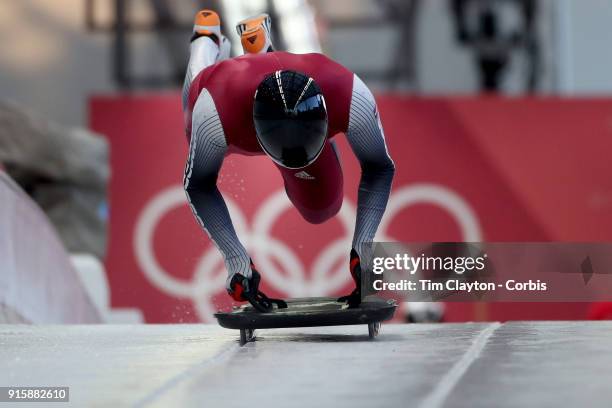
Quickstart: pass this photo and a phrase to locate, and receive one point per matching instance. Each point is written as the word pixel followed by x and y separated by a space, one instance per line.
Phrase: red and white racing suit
pixel 218 108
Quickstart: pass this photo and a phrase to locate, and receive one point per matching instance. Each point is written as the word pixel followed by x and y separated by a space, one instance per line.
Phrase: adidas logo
pixel 304 175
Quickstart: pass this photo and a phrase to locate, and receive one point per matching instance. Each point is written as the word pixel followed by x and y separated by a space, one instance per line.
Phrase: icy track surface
pixel 522 364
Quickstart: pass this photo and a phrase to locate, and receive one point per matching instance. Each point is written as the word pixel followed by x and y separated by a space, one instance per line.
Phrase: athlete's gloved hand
pixel 242 289
pixel 239 285
pixel 354 298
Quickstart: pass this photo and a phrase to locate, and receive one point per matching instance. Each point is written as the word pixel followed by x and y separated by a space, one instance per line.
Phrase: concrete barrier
pixel 95 281
pixel 38 283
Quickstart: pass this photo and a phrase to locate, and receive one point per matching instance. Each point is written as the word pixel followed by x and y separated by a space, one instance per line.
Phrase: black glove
pixel 239 285
pixel 243 289
pixel 354 298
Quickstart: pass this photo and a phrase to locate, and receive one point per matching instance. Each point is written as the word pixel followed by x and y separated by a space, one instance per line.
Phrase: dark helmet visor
pixel 293 138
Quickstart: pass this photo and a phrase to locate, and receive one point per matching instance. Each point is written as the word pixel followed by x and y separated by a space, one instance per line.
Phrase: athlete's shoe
pixel 207 23
pixel 255 34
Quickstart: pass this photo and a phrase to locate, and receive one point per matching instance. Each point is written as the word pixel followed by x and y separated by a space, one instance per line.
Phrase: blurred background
pixel 498 114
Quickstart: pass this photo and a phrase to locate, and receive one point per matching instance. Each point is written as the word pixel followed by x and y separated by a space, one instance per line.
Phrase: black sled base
pixel 308 312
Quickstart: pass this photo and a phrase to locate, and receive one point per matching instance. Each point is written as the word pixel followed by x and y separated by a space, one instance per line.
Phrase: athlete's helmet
pixel 290 118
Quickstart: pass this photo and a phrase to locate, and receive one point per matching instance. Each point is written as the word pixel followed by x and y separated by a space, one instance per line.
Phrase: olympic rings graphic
pixel 283 268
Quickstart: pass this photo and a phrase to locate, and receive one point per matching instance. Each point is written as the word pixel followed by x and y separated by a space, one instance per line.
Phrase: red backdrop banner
pixel 467 169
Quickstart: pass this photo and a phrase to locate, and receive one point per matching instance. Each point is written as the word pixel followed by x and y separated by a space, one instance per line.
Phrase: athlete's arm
pixel 366 138
pixel 206 153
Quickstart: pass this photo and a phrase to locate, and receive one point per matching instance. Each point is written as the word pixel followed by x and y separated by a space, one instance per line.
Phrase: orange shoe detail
pixel 255 34
pixel 207 22
pixel 254 42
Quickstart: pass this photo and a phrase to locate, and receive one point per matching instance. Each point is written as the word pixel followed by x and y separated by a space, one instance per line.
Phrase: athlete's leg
pixel 316 190
pixel 207 47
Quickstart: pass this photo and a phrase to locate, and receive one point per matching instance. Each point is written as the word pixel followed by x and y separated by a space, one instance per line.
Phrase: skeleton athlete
pixel 289 107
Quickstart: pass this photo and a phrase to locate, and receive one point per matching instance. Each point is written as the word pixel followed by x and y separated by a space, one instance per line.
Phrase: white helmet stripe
pixel 303 92
pixel 277 74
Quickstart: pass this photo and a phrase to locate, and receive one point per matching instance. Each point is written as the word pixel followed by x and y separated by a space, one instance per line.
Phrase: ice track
pixel 545 364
